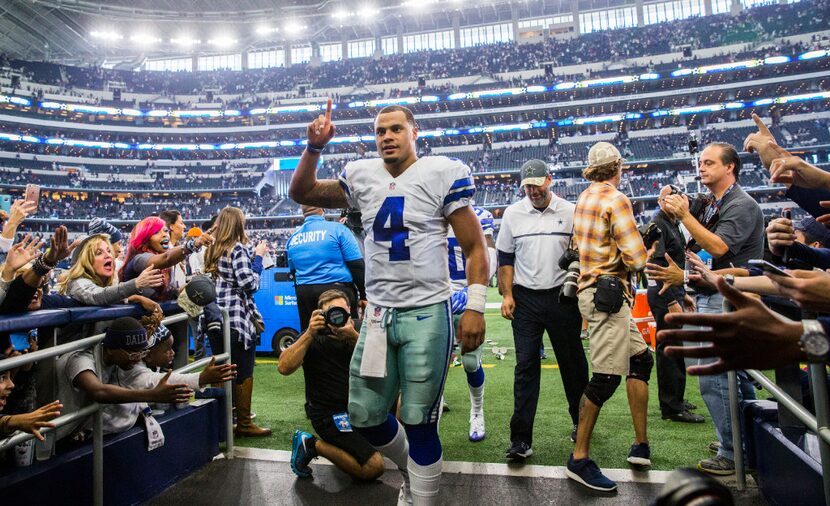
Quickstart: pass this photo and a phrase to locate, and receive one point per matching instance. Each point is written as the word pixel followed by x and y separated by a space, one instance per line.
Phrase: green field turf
pixel 278 402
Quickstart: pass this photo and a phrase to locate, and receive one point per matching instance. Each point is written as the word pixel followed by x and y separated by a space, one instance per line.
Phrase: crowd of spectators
pixel 749 26
pixel 98 275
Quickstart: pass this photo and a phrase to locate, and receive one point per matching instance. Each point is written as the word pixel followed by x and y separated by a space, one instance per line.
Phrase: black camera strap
pixel 711 214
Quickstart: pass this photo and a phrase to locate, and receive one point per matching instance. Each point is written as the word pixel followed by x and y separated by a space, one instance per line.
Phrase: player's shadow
pixel 330 486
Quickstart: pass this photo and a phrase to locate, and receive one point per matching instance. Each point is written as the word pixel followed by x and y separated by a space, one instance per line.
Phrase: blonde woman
pixel 92 279
pixel 236 267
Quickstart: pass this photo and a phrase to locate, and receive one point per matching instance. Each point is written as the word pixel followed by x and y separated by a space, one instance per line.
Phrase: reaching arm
pixel 113 394
pixel 87 292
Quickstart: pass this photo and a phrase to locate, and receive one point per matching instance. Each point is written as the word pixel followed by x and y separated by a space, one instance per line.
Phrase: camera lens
pixel 336 316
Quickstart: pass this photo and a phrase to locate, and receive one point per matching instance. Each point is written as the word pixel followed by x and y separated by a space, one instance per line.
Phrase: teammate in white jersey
pixel 458 279
pixel 407 334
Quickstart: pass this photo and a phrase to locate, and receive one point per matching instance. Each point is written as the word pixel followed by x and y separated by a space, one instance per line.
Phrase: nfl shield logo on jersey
pixel 391 186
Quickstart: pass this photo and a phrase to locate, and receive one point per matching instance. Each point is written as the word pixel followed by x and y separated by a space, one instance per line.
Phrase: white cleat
pixel 477 432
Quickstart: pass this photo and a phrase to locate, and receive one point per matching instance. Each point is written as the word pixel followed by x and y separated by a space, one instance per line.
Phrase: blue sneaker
pixel 302 453
pixel 640 455
pixel 586 472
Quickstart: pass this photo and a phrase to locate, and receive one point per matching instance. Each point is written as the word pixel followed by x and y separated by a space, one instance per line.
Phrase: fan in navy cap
pixel 126 334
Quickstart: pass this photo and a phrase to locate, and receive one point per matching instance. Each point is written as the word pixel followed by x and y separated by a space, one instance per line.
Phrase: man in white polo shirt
pixel 534 234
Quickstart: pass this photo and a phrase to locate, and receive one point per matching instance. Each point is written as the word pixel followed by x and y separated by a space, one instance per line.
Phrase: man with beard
pixel 324 351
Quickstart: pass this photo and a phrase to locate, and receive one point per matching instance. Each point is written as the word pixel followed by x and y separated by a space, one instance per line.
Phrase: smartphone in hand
pixel 33 194
pixel 768 267
pixel 20 341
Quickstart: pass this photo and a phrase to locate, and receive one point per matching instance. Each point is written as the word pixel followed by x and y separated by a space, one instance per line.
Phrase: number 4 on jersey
pixel 391 212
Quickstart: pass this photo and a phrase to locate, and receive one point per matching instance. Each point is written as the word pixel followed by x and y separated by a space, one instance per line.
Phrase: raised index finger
pixel 762 128
pixel 328 110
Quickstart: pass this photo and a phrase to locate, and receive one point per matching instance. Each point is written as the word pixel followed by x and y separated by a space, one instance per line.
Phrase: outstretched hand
pixel 38 419
pixel 59 248
pixel 22 253
pixel 217 373
pixel 670 276
pixel 751 337
pixel 168 393
pixel 789 170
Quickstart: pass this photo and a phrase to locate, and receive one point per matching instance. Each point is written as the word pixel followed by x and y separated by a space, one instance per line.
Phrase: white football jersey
pixel 457 260
pixel 406 229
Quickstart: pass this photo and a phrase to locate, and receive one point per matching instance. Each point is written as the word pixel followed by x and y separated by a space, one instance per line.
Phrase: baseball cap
pixel 198 293
pixel 603 153
pixel 126 334
pixel 194 232
pixel 813 228
pixel 102 226
pixel 160 335
pixel 534 172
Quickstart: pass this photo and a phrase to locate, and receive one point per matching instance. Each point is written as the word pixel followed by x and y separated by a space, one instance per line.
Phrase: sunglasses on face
pixel 137 355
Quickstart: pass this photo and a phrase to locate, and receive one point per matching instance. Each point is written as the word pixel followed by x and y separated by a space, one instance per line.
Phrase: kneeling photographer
pixel 324 351
pixel 664 232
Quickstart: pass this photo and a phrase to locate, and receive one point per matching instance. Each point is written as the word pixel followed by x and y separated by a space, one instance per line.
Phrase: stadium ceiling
pixel 61 30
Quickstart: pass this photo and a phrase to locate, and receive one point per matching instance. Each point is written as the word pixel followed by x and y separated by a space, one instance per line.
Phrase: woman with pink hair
pixel 149 245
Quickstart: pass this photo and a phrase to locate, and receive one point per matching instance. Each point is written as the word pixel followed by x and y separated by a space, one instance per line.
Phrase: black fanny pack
pixel 610 294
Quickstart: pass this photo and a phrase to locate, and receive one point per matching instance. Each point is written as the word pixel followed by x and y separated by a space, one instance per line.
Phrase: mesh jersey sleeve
pixel 461 188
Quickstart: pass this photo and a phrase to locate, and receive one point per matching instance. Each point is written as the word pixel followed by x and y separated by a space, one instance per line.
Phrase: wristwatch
pixel 730 279
pixel 814 341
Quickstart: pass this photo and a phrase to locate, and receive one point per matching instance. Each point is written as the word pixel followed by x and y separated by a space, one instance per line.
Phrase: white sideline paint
pixel 483 468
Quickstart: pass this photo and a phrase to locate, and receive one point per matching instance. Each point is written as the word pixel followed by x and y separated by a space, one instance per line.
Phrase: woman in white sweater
pixel 92 280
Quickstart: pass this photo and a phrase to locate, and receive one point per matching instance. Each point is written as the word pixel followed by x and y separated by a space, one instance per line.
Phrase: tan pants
pixel 614 337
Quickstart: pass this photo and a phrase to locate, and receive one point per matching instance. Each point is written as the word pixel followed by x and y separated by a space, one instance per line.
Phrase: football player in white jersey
pixel 458 280
pixel 407 333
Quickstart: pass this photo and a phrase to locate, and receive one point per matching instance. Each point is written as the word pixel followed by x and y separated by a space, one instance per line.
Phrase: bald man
pixel 324 255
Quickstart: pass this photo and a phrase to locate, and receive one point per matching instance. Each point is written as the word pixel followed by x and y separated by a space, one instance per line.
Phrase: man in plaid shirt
pixel 610 249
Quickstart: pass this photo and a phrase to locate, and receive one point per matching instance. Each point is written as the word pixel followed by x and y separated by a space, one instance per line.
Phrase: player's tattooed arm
pixel 327 194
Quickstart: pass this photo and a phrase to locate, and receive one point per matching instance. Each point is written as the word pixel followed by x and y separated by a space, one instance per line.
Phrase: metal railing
pixel 95 409
pixel 819 424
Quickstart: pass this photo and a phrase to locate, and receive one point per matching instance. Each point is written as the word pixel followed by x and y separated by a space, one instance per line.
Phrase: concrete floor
pixel 263 477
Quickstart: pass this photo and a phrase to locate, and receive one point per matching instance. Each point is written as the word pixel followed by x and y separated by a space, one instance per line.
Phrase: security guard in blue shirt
pixel 324 255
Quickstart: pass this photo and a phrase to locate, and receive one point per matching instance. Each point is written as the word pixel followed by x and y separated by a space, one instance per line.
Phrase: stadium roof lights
pixel 441 132
pixel 302 108
pixel 223 41
pixel 144 39
pixel 185 41
pixel 105 35
pixel 265 29
pixel 294 27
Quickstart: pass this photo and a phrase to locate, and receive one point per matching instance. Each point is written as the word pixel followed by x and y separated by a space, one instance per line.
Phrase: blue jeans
pixel 715 389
